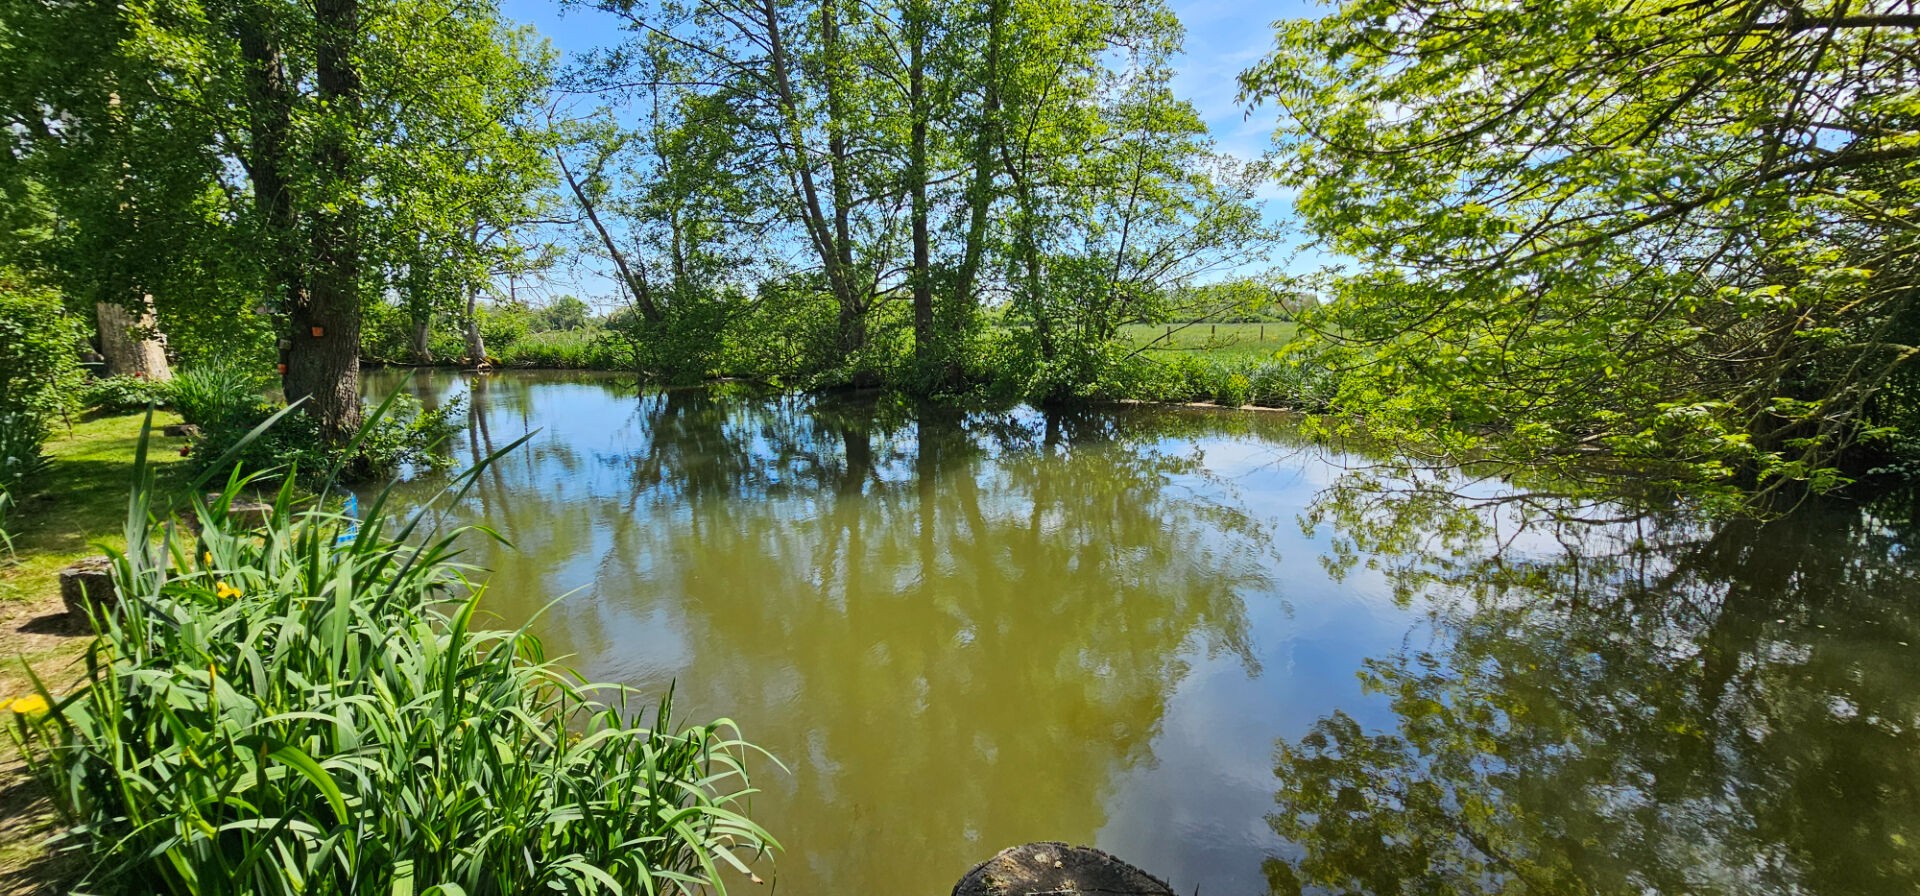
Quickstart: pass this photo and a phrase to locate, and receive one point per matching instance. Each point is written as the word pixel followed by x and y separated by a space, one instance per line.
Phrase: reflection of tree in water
pixel 955 629
pixel 1625 707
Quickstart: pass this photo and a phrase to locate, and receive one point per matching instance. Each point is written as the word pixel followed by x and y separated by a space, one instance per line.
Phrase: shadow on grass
pixel 27 866
pixel 62 623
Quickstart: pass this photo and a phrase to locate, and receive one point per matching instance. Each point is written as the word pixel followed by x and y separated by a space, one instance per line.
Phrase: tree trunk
pixel 917 181
pixel 476 347
pixel 422 337
pixel 131 344
pixel 853 317
pixel 980 192
pixel 270 133
pixel 323 362
pixel 1055 867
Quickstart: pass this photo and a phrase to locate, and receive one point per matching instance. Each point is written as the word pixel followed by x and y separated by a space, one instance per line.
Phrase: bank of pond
pixel 1243 658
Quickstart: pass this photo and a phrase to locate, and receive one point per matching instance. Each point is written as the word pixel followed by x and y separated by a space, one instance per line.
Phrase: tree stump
pixel 87 583
pixel 181 429
pixel 250 515
pixel 1056 868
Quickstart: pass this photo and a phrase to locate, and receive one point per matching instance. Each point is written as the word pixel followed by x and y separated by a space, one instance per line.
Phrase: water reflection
pixel 956 630
pixel 1607 706
pixel 961 631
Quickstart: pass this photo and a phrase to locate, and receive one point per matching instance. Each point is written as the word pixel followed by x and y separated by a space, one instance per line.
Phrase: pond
pixel 1242 660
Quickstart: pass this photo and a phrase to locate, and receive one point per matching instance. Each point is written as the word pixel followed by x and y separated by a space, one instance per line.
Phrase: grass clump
pixel 310 708
pixel 217 393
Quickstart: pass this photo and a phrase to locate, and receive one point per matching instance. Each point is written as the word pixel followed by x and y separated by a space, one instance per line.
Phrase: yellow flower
pixel 29 706
pixel 206 559
pixel 225 591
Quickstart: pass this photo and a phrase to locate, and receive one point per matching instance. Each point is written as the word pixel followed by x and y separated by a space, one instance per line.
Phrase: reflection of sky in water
pixel 1111 620
pixel 1191 809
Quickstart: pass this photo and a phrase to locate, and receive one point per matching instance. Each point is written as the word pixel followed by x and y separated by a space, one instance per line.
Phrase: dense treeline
pixel 1681 236
pixel 866 179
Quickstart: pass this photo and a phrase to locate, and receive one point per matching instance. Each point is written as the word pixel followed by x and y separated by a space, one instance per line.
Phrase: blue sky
pixel 1223 38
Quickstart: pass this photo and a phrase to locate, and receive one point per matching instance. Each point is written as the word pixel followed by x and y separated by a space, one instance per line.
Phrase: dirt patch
pixel 39 634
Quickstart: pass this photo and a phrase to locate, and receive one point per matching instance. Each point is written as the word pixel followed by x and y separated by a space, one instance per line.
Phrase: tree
pixel 295 158
pixel 111 192
pixel 1677 231
pixel 566 313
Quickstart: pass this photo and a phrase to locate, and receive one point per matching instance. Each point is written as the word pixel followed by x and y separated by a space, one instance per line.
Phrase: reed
pixel 309 707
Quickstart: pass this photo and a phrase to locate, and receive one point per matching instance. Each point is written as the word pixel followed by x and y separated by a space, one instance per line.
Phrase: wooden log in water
pixel 1052 867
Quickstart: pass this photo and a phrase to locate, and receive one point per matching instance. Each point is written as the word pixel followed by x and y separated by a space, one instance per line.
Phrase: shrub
pixel 583 349
pixel 403 434
pixel 122 394
pixel 21 435
pixel 38 372
pixel 296 710
pixel 215 393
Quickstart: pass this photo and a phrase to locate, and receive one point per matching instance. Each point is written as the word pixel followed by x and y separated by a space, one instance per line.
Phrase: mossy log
pixel 1056 868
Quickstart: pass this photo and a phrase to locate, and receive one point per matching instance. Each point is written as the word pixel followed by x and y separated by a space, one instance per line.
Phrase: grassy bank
pixel 1219 342
pixel 78 504
pixel 80 501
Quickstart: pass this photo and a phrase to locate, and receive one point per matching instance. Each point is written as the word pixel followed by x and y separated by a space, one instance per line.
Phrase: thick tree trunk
pixel 270 132
pixel 131 343
pixel 323 362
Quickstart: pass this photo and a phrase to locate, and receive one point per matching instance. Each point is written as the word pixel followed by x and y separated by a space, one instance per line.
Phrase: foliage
pixel 216 393
pixel 303 159
pixel 122 394
pixel 1678 235
pixel 38 345
pixel 20 459
pixel 407 435
pixel 565 313
pixel 307 708
pixel 586 349
pixel 38 371
pixel 921 158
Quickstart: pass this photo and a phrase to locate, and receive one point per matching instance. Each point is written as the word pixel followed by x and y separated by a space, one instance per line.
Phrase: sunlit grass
pixel 80 499
pixel 1221 342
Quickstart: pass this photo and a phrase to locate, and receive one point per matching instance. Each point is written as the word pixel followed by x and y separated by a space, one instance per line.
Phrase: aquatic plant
pixel 309 707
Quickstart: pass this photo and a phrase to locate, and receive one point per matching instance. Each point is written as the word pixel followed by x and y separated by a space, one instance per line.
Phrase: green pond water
pixel 1245 662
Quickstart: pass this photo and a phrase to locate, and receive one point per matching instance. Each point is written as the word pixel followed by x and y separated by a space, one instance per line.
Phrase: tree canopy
pixel 1677 230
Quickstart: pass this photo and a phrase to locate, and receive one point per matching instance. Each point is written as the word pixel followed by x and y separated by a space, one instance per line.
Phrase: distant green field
pixel 1219 341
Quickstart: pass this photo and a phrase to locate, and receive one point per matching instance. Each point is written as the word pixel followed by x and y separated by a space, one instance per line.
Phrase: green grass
pixel 80 501
pixel 1221 342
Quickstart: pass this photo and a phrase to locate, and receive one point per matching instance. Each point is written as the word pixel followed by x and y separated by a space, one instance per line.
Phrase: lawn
pixel 1220 342
pixel 72 509
pixel 80 501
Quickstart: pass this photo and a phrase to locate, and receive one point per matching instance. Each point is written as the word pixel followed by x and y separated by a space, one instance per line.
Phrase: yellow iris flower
pixel 29 706
pixel 225 591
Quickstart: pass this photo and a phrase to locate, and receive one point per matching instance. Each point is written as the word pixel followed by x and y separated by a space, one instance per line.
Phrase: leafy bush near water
pixel 217 393
pixel 275 712
pixel 403 434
